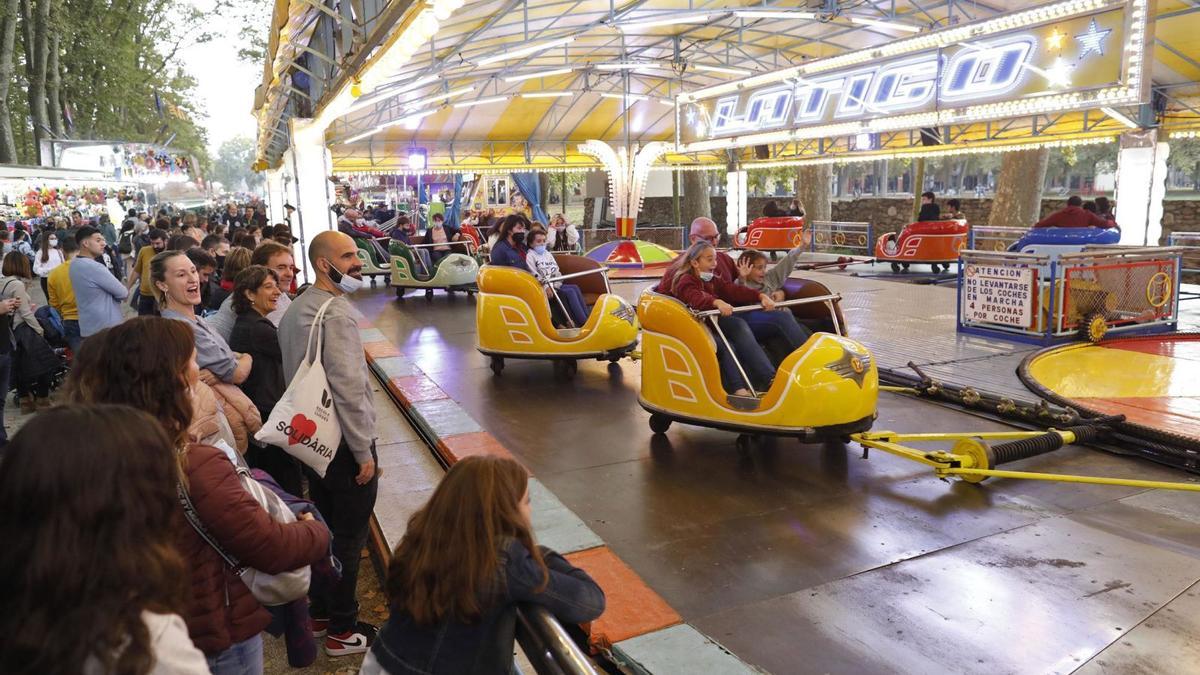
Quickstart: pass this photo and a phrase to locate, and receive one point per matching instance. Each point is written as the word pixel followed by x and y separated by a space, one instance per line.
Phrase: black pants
pixel 38 387
pixel 284 468
pixel 346 507
pixel 146 306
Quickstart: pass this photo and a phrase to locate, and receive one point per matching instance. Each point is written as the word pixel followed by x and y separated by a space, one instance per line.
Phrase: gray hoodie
pixel 777 275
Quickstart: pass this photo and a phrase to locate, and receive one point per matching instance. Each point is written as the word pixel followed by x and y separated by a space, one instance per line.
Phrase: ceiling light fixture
pixel 407 119
pixel 627 97
pixel 540 73
pixel 723 69
pixel 662 21
pixel 509 54
pixel 628 65
pixel 480 101
pixel 772 14
pixel 880 23
pixel 440 97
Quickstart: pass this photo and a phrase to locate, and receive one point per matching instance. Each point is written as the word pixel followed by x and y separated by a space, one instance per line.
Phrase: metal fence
pixel 986 238
pixel 842 237
pixel 1042 298
pixel 1190 242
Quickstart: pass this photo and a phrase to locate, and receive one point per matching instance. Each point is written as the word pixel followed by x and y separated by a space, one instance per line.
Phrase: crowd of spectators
pixel 136 492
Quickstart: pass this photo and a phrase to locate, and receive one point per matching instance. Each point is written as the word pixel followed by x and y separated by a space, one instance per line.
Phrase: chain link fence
pixel 842 237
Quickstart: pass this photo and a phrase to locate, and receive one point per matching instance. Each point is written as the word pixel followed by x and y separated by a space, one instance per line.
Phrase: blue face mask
pixel 539 249
pixel 706 276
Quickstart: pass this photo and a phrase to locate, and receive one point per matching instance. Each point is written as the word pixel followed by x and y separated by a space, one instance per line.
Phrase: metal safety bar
pixel 783 303
pixel 550 650
pixel 549 283
pixel 714 314
pixel 462 242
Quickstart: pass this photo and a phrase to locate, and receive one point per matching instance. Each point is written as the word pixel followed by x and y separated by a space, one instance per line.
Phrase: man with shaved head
pixel 346 495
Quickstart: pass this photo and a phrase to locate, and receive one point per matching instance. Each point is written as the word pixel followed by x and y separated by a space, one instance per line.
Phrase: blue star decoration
pixel 1092 40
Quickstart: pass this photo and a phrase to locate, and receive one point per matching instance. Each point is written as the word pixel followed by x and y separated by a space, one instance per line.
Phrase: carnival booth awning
pixel 510 83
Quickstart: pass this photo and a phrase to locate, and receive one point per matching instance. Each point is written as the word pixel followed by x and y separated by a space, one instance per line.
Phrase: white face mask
pixel 53 241
pixel 345 283
pixel 706 276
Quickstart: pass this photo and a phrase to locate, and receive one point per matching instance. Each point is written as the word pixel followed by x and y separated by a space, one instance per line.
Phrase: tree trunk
pixel 918 184
pixel 54 112
pixel 694 199
pixel 813 190
pixel 35 16
pixel 8 42
pixel 544 193
pixel 1018 201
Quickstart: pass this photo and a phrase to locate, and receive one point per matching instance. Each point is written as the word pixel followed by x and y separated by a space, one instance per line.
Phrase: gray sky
pixel 224 84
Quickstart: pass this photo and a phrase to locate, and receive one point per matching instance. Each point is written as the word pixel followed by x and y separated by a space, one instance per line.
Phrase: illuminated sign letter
pixel 986 69
pixel 906 85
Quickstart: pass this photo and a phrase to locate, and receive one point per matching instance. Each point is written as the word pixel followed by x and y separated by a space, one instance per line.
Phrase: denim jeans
pixel 777 325
pixel 572 297
pixel 71 335
pixel 347 508
pixel 749 353
pixel 5 376
pixel 243 658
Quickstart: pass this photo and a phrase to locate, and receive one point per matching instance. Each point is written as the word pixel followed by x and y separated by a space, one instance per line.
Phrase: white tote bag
pixel 304 422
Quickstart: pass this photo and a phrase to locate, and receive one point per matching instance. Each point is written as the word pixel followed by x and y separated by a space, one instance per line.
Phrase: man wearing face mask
pixel 346 495
pixel 140 278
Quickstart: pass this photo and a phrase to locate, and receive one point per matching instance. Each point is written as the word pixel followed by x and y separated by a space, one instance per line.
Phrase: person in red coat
pixel 149 363
pixel 1074 215
pixel 692 279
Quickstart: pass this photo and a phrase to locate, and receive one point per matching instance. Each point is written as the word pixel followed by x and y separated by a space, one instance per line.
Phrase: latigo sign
pixel 1061 57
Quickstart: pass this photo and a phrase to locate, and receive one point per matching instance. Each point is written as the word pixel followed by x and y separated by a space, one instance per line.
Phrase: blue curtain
pixel 452 212
pixel 531 190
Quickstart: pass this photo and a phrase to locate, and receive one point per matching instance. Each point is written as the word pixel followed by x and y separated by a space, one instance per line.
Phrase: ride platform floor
pixel 810 559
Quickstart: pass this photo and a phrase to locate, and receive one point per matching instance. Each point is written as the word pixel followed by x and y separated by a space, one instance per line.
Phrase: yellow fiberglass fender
pixel 513 317
pixel 828 381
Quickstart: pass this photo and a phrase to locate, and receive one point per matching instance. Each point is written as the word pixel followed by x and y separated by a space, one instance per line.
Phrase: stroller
pixel 54 334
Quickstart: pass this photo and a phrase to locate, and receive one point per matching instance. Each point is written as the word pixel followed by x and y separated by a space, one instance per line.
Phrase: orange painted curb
pixel 631 608
pixel 418 388
pixel 380 350
pixel 454 448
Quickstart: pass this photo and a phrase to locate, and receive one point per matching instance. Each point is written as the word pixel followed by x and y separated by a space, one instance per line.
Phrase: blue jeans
pixel 749 353
pixel 71 335
pixel 5 376
pixel 243 658
pixel 572 297
pixel 780 324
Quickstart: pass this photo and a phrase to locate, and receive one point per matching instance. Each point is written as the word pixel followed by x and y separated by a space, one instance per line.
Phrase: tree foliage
pixel 101 69
pixel 231 167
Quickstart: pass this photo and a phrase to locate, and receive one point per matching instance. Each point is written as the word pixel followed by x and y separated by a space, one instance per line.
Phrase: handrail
pixel 783 303
pixel 572 275
pixel 550 650
pixel 462 242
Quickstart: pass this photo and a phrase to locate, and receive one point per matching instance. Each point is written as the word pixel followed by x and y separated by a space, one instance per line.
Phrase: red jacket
pixel 221 611
pixel 726 267
pixel 702 295
pixel 1074 216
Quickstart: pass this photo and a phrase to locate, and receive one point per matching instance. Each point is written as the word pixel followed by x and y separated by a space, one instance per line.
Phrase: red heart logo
pixel 302 429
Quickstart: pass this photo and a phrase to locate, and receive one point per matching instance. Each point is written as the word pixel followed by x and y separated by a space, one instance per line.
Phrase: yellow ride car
pixel 827 389
pixel 513 318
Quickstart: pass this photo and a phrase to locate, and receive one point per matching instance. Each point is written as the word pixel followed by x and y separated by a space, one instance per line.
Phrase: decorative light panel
pixel 1066 56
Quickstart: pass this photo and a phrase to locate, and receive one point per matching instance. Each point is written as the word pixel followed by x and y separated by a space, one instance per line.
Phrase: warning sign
pixel 998 294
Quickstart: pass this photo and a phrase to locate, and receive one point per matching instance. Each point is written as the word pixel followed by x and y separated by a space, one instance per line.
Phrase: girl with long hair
pixel 101 565
pixel 467 557
pixel 48 257
pixel 35 360
pixel 691 280
pixel 510 248
pixel 150 363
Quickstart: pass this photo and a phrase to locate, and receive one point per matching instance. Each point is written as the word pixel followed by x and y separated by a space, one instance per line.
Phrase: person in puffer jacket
pixel 149 363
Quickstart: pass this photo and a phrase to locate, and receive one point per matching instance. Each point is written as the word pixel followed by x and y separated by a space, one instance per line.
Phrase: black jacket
pixel 486 646
pixel 929 212
pixel 254 334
